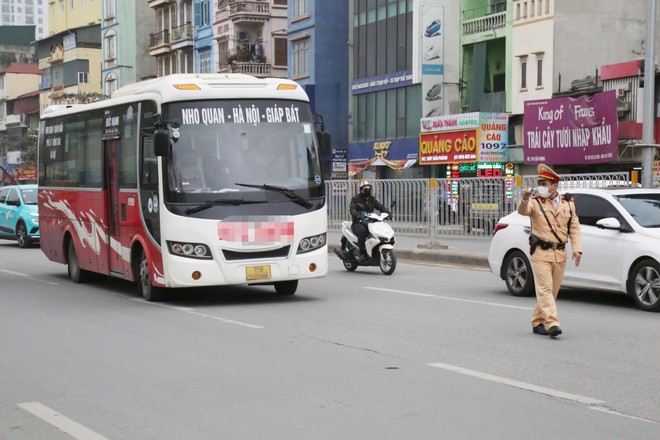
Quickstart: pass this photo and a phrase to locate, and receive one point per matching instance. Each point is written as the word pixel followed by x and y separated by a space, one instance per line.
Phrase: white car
pixel 620 240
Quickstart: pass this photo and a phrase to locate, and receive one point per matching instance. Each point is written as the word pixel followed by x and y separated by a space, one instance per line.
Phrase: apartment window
pixel 71 3
pixel 280 52
pixel 523 72
pixel 279 2
pixel 83 77
pixel 205 61
pixel 539 71
pixel 205 18
pixel 300 65
pixel 110 45
pixel 110 8
pixel 110 84
pixel 299 8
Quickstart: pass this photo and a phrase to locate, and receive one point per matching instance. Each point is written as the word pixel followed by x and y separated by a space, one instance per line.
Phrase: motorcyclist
pixel 362 204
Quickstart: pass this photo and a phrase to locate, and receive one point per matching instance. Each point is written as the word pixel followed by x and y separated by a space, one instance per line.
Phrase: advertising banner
pixel 432 59
pixel 461 121
pixel 339 163
pixel 493 137
pixel 565 131
pixel 448 147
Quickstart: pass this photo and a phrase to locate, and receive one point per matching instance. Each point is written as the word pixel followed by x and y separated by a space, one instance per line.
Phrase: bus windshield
pixel 238 149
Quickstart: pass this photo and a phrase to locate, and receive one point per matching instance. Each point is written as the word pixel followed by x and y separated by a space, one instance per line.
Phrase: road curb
pixel 447 256
pixel 441 256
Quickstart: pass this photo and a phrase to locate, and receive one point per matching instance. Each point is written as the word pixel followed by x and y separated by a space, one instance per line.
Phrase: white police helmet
pixel 365 183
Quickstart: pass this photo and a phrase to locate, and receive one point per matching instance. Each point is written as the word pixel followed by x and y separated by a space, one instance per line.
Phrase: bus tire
pixel 286 287
pixel 76 274
pixel 147 290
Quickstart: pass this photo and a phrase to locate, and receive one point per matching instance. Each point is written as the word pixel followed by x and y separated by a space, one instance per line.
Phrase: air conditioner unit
pixel 621 89
pixel 243 36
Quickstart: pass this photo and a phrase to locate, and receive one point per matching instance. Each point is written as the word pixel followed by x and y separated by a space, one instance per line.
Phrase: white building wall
pixel 575 39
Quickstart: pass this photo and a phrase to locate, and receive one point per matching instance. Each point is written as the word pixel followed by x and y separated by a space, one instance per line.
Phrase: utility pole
pixel 648 135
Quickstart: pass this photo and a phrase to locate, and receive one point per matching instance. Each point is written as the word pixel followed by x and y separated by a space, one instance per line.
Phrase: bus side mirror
pixel 325 143
pixel 162 142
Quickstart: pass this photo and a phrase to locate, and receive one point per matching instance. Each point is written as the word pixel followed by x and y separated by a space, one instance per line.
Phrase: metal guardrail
pixel 451 207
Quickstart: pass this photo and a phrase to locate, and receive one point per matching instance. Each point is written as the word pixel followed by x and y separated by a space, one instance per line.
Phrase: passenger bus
pixel 184 181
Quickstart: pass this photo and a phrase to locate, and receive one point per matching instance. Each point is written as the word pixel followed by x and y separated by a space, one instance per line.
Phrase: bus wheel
pixel 76 274
pixel 286 287
pixel 144 287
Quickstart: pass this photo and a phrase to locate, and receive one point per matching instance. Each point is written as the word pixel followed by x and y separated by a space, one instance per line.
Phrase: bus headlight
pixel 190 250
pixel 312 243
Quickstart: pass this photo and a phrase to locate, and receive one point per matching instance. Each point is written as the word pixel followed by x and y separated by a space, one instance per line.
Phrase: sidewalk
pixel 468 251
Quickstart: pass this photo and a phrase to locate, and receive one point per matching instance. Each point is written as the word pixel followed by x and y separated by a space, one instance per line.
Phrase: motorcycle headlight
pixel 311 243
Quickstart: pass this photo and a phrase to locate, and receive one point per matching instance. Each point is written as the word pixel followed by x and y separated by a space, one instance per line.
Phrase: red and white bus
pixel 184 181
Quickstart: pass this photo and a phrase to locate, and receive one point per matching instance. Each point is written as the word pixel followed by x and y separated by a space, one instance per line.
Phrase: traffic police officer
pixel 553 221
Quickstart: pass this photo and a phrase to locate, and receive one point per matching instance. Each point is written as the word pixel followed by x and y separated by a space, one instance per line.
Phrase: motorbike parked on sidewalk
pixel 379 245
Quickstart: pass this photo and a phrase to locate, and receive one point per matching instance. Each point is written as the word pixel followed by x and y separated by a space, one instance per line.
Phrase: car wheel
pixel 24 240
pixel 147 290
pixel 644 285
pixel 286 287
pixel 518 274
pixel 387 261
pixel 76 274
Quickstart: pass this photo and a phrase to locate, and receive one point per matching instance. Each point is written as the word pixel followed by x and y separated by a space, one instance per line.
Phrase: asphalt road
pixel 430 352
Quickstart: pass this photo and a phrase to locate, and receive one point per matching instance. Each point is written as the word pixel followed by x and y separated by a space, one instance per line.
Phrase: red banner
pixel 448 147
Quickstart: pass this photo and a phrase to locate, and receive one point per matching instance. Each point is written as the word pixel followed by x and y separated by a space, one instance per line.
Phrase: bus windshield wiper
pixel 282 190
pixel 209 203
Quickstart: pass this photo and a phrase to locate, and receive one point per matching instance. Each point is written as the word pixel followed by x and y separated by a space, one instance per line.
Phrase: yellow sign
pixel 257 273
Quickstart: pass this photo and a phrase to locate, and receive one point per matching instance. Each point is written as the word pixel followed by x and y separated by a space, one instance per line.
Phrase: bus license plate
pixel 257 273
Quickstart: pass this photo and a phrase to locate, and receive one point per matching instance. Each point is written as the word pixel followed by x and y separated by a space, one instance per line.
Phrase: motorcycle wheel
pixel 349 264
pixel 387 262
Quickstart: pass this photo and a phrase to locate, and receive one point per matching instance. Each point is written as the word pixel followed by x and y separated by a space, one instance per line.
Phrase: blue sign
pixel 382 82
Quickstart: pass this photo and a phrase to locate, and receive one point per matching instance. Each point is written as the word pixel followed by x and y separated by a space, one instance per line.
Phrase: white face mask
pixel 543 191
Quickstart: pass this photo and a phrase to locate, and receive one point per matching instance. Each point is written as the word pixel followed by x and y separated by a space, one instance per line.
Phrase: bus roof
pixel 188 86
pixel 193 87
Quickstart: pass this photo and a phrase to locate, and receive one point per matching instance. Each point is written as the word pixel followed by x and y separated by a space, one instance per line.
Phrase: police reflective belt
pixel 544 243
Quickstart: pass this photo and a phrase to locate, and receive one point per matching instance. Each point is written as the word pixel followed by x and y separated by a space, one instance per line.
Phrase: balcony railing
pixel 484 24
pixel 255 69
pixel 183 32
pixel 159 38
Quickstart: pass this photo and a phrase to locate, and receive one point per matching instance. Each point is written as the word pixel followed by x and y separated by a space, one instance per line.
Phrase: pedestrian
pixel 361 204
pixel 554 222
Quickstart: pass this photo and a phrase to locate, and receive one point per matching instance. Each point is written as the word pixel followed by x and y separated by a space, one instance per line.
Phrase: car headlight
pixel 190 250
pixel 312 243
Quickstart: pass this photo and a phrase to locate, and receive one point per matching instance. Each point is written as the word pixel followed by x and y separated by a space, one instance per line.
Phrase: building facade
pixel 70 56
pixel 204 42
pixel 125 31
pixel 318 61
pixel 404 66
pixel 25 13
pixel 251 37
pixel 172 41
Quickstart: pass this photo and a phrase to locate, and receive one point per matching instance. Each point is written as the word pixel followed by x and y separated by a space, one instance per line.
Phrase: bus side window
pixel 149 165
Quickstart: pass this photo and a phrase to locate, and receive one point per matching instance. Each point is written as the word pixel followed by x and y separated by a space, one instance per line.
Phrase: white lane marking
pixel 428 295
pixel 25 275
pixel 522 385
pixel 74 429
pixel 617 413
pixel 193 312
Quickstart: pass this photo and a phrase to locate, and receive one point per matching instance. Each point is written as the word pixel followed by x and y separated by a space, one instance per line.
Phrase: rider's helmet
pixel 365 183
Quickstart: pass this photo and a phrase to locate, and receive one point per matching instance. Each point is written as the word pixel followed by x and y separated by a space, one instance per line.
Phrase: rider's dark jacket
pixel 360 202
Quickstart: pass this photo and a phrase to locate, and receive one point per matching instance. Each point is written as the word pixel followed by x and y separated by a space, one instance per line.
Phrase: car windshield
pixel 644 208
pixel 29 196
pixel 218 144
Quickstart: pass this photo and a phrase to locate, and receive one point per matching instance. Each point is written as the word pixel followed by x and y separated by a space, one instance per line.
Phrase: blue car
pixel 19 216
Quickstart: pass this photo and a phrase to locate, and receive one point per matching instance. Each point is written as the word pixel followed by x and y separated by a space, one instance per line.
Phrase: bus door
pixel 111 149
